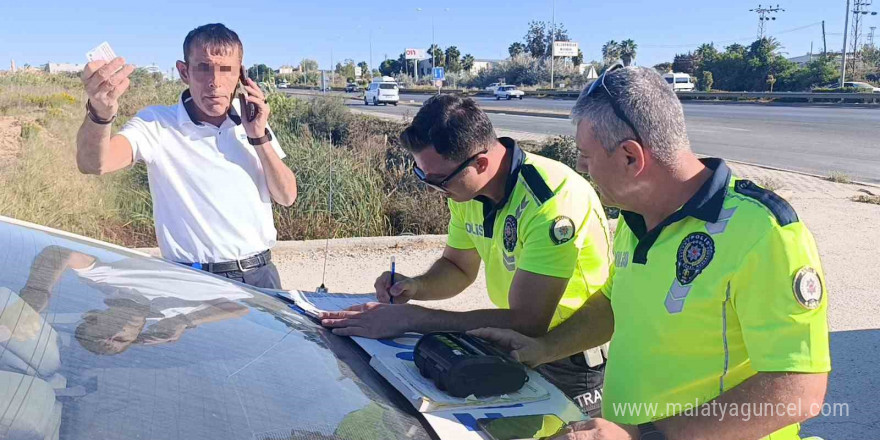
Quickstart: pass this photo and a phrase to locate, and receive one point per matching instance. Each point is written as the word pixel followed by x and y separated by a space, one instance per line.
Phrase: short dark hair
pixel 215 37
pixel 455 127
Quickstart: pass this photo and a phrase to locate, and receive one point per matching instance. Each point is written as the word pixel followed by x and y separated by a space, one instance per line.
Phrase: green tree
pixel 611 52
pixel 706 81
pixel 390 67
pixel 345 69
pixel 663 67
pixel 771 80
pixel 736 48
pixel 579 59
pixel 467 62
pixel 561 35
pixel 453 59
pixel 683 63
pixel 628 51
pixel 439 56
pixel 536 39
pixel 261 72
pixel 516 49
pixel 308 65
pixel 365 69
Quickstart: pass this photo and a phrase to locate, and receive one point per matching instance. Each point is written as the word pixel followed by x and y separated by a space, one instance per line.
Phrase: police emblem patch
pixel 807 288
pixel 694 254
pixel 510 233
pixel 562 230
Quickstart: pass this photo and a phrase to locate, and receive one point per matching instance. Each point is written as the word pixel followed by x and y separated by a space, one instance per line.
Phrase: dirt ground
pixel 10 140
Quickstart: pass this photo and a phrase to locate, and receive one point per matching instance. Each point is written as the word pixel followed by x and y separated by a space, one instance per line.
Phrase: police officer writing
pixel 536 224
pixel 716 296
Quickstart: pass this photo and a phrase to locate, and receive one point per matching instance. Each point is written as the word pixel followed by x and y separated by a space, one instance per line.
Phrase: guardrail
pixel 783 96
pixel 808 97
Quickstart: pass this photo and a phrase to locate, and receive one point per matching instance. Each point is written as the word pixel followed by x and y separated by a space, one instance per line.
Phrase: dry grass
pixel 839 177
pixel 770 183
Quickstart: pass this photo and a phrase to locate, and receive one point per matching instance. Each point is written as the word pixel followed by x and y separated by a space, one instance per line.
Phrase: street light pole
pixel 843 53
pixel 552 44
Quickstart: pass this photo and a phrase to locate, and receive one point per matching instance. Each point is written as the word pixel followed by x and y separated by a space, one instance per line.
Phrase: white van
pixel 680 82
pixel 382 90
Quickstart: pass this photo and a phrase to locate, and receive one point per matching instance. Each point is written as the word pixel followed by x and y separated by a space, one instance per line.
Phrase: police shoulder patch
pixel 510 234
pixel 694 253
pixel 562 230
pixel 807 288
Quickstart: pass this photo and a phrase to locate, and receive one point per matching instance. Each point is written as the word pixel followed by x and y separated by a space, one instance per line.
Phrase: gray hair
pixel 649 103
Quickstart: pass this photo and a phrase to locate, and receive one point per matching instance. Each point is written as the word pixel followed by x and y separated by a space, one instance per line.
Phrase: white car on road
pixel 493 87
pixel 382 91
pixel 508 93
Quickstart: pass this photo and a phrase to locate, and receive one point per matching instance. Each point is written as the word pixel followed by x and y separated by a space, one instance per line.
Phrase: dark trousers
pixel 264 276
pixel 578 381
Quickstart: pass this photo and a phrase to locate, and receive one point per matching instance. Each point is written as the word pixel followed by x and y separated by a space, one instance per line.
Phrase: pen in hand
pixel 390 296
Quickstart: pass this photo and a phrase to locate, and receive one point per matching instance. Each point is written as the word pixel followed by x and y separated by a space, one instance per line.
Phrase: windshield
pixel 103 343
pixel 387 86
pixel 668 80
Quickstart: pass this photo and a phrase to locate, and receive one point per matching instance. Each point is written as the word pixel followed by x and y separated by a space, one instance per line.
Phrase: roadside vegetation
pixel 374 190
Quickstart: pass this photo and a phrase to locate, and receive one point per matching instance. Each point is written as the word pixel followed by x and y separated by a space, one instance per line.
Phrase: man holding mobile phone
pixel 213 169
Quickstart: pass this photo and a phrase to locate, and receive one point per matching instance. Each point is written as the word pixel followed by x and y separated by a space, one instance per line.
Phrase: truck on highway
pixel 680 82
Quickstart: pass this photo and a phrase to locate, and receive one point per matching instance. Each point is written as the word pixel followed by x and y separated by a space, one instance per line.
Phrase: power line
pixel 734 40
pixel 765 15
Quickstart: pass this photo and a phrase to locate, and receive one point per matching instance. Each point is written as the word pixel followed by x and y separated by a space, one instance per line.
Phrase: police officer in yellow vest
pixel 536 224
pixel 715 305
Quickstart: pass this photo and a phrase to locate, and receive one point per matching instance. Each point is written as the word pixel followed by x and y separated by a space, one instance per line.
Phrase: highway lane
pixel 814 139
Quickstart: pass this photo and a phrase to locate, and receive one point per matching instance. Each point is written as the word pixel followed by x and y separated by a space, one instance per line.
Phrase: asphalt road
pixel 813 139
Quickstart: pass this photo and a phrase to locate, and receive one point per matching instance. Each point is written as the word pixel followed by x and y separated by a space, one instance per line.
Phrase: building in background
pixel 482 64
pixel 64 68
pixel 287 70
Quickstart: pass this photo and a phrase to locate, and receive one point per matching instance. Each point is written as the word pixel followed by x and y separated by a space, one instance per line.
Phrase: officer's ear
pixel 634 157
pixel 482 163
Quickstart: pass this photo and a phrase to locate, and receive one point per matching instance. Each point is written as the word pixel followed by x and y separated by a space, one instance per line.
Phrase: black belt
pixel 259 260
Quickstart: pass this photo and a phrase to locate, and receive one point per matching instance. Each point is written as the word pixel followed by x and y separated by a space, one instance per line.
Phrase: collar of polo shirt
pixel 706 205
pixel 517 158
pixel 185 112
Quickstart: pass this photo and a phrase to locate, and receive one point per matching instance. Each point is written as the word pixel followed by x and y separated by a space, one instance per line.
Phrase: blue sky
pixel 278 32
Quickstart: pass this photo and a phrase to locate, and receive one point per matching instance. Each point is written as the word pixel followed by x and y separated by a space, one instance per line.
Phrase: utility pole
pixel 824 43
pixel 860 9
pixel 871 36
pixel 843 54
pixel 370 67
pixel 553 43
pixel 765 14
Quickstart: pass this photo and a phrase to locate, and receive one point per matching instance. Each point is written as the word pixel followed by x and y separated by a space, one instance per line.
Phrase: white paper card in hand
pixel 102 52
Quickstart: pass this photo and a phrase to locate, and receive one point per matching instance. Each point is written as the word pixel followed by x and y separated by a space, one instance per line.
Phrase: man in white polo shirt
pixel 213 174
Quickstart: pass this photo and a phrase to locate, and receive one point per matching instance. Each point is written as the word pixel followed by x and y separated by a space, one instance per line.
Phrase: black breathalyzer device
pixel 464 365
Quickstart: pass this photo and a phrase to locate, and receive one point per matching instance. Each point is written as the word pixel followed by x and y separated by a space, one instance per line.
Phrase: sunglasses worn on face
pixel 599 84
pixel 441 186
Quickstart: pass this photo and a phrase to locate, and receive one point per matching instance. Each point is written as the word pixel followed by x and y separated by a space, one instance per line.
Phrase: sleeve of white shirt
pixel 141 132
pixel 275 145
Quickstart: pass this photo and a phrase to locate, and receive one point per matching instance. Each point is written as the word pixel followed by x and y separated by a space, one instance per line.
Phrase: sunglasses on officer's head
pixel 599 84
pixel 441 186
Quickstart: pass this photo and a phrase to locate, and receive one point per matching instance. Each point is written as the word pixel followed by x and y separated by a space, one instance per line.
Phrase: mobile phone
pixel 248 109
pixel 539 426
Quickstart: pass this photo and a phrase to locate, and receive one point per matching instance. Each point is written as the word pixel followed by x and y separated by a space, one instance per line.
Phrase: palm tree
pixel 628 51
pixel 610 51
pixel 467 62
